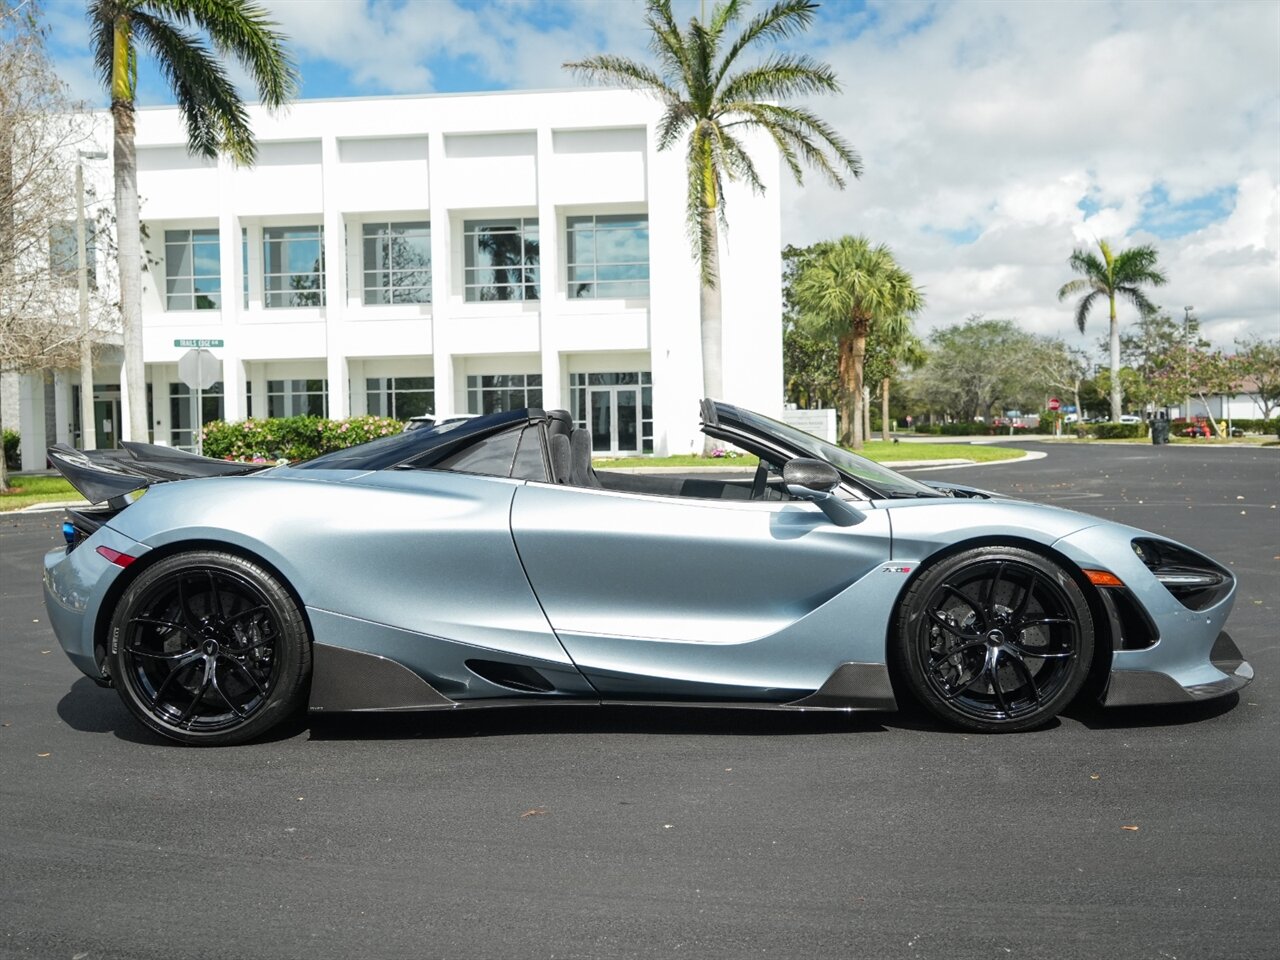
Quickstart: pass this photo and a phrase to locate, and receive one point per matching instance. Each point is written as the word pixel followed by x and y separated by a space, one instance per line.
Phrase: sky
pixel 995 137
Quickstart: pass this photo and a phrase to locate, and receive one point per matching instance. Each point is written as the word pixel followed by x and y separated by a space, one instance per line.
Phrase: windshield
pixel 880 481
pixel 401 447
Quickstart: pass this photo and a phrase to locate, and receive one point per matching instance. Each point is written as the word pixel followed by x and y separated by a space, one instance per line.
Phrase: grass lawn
pixel 26 490
pixel 876 450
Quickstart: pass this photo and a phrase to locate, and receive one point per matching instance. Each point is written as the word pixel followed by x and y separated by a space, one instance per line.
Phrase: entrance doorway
pixel 617 408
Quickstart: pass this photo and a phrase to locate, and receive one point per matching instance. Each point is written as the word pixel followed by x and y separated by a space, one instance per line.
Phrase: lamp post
pixel 1186 352
pixel 88 433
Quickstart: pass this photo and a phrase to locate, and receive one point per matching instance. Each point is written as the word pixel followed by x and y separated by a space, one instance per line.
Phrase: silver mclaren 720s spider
pixel 484 562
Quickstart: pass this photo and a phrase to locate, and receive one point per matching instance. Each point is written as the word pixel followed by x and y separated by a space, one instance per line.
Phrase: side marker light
pixel 1102 578
pixel 116 557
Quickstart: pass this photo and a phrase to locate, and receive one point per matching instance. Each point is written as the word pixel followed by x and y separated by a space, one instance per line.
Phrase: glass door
pixel 614 419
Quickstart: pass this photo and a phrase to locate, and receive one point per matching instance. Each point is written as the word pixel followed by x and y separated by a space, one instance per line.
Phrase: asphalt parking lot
pixel 617 832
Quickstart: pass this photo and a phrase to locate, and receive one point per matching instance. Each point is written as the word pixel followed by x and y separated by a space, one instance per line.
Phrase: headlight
pixel 1196 581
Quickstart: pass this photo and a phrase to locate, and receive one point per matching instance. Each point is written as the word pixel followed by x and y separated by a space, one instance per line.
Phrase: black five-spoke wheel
pixel 995 639
pixel 209 648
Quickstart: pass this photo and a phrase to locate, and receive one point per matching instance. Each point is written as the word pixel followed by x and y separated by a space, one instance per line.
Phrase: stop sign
pixel 199 369
pixel 1055 404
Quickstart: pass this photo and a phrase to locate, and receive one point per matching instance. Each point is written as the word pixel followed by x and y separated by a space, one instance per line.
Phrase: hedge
pixel 1120 431
pixel 12 449
pixel 291 438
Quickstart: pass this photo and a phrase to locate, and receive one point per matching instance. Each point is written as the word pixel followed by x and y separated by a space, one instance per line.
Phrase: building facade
pixel 445 254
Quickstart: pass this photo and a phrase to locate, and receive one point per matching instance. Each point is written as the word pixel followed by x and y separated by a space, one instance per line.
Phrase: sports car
pixel 484 562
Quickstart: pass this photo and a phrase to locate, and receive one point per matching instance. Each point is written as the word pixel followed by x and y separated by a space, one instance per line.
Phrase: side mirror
pixel 813 480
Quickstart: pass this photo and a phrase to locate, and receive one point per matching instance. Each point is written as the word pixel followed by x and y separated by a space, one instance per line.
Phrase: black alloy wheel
pixel 995 639
pixel 208 648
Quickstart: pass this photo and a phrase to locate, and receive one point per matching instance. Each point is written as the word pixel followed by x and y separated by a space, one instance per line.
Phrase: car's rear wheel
pixel 995 639
pixel 209 648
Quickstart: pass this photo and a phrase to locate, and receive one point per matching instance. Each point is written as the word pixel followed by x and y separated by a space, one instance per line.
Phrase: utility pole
pixel 1186 351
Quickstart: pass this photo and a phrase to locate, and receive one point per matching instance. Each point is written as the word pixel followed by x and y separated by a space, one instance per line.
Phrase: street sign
pixel 1055 404
pixel 199 369
pixel 199 344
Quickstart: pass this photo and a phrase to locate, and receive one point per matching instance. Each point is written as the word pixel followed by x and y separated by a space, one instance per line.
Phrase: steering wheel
pixel 761 481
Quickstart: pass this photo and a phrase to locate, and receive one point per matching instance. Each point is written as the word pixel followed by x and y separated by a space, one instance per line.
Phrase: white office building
pixel 438 254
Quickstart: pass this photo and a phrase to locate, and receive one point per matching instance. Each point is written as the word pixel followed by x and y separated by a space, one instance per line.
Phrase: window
pixel 401 397
pixel 502 392
pixel 64 255
pixel 293 266
pixel 608 256
pixel 492 456
pixel 297 398
pixel 501 259
pixel 244 263
pixel 192 272
pixel 180 404
pixel 397 262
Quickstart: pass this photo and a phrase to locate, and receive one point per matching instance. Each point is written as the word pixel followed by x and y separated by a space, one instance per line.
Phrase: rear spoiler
pixel 102 475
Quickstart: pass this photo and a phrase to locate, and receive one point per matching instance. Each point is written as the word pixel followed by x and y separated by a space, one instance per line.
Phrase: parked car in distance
pixel 1129 418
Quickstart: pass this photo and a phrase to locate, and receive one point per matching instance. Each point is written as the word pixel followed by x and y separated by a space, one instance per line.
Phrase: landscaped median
pixel 877 450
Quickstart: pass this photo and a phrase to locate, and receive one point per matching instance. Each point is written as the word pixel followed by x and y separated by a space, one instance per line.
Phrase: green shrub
pixel 291 438
pixel 12 449
pixel 1120 431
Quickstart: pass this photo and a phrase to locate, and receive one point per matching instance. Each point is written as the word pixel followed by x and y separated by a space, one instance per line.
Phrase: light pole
pixel 1186 352
pixel 88 433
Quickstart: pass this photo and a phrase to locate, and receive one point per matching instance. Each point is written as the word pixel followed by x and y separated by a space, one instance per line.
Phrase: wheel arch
pixel 1104 643
pixel 111 599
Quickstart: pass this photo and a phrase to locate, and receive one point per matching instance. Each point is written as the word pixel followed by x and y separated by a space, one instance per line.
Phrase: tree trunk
pixel 884 410
pixel 858 355
pixel 7 231
pixel 1116 395
pixel 845 397
pixel 709 311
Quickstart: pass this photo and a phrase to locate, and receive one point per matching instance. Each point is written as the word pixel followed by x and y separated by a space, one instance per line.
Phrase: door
pixel 614 419
pixel 670 597
pixel 106 422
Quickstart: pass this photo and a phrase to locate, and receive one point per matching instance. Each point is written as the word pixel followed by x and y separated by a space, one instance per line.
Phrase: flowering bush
pixel 291 438
pixel 721 452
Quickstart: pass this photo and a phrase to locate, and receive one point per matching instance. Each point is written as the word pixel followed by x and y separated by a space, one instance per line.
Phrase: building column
pixel 442 270
pixel 31 421
pixel 61 407
pixel 555 392
pixel 335 282
pixel 359 396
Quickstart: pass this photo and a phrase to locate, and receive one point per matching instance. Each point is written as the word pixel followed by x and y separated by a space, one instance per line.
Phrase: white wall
pixel 447 159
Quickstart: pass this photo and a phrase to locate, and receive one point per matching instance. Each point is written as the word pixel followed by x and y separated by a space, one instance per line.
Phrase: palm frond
pixel 1072 287
pixel 674 120
pixel 244 30
pixel 666 41
pixel 704 191
pixel 800 128
pixel 781 77
pixel 1137 298
pixel 1084 306
pixel 101 15
pixel 607 68
pixel 215 115
pixel 737 161
pixel 780 22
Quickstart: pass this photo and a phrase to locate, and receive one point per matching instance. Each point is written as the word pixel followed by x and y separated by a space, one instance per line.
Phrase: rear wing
pixel 103 475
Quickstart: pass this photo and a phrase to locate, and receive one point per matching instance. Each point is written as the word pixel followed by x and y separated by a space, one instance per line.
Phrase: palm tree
pixel 846 289
pixel 1123 273
pixel 216 117
pixel 709 105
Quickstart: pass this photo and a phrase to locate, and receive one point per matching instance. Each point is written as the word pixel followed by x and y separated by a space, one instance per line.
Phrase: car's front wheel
pixel 995 639
pixel 209 648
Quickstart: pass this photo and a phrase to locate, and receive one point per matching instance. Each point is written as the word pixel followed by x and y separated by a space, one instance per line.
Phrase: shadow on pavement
pixel 1097 717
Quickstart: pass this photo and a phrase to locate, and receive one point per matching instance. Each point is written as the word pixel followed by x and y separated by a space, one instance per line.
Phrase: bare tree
pixel 41 130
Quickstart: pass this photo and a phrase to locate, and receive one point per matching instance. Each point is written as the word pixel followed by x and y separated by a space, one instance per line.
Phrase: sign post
pixel 1054 406
pixel 199 369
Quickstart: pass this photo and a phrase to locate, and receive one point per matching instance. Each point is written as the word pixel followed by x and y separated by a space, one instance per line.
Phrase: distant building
pixel 438 254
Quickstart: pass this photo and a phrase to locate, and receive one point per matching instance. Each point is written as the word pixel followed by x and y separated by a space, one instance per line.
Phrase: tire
pixel 994 639
pixel 209 649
